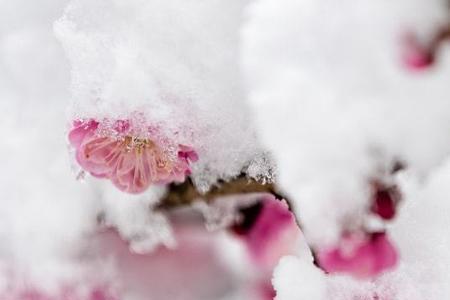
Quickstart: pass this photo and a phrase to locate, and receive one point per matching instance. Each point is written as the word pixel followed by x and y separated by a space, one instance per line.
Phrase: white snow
pixel 175 62
pixel 337 107
pixel 332 103
pixel 335 104
pixel 111 59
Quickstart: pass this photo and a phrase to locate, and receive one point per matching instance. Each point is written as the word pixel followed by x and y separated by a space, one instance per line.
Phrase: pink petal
pixel 418 59
pixel 99 156
pixel 416 56
pixel 187 152
pixel 360 256
pixel 384 205
pixel 122 126
pixel 271 234
pixel 80 131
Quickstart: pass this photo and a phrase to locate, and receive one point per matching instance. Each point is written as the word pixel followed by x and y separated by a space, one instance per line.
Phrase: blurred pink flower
pixel 132 163
pixel 200 267
pixel 418 55
pixel 98 293
pixel 269 232
pixel 359 254
pixel 417 58
pixel 196 269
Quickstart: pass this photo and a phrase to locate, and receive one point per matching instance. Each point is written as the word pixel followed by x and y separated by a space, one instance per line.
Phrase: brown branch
pixel 186 193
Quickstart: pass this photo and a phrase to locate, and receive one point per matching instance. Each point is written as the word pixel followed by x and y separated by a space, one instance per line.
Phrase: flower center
pixel 137 144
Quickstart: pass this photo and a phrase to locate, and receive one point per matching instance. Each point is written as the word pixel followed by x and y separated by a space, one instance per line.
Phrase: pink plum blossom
pixel 132 162
pixel 359 254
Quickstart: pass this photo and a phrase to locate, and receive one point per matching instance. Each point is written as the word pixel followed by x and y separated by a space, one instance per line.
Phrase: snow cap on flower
pixel 132 158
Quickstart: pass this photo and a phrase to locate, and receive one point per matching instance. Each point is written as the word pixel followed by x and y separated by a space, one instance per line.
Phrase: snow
pixel 182 77
pixel 298 278
pixel 36 185
pixel 135 220
pixel 311 94
pixel 336 106
pixel 109 62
